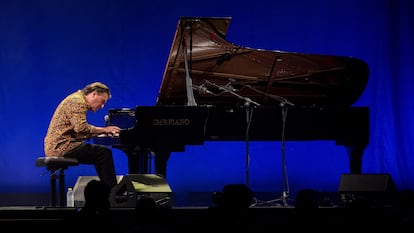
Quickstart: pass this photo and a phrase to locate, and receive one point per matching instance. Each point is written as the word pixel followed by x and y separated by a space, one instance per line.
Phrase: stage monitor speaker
pixel 375 190
pixel 79 188
pixel 133 187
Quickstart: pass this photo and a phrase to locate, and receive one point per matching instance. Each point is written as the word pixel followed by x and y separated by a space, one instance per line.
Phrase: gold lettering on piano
pixel 171 121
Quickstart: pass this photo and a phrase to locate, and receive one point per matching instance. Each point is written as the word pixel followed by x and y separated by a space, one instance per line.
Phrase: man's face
pixel 98 100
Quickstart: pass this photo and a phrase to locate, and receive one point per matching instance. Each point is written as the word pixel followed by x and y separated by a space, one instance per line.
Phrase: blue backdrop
pixel 50 48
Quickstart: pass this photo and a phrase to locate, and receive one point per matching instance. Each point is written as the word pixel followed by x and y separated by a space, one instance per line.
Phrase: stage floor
pixel 196 210
pixel 179 219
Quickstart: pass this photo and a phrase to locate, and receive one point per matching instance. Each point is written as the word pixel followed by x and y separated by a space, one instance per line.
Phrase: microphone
pixel 202 89
pixel 248 101
pixel 107 120
pixel 285 102
pixel 229 85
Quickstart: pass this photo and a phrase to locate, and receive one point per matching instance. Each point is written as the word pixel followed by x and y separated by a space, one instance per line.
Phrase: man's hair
pixel 98 87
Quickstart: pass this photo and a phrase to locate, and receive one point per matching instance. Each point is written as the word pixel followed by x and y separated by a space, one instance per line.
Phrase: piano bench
pixel 56 166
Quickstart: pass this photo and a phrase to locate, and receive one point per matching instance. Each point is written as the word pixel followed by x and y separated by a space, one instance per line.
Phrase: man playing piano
pixel 69 129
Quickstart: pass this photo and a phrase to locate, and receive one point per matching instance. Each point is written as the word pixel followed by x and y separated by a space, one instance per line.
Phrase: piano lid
pixel 223 73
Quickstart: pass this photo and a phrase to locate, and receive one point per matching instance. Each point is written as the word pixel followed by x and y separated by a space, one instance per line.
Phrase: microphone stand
pixel 284 109
pixel 249 113
pixel 285 180
pixel 283 101
pixel 228 89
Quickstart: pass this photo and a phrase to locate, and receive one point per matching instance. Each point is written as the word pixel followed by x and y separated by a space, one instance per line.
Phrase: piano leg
pixel 138 160
pixel 355 153
pixel 161 157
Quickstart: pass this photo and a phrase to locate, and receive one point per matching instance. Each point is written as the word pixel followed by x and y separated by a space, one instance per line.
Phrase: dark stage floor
pixel 24 211
pixel 178 219
pixel 177 200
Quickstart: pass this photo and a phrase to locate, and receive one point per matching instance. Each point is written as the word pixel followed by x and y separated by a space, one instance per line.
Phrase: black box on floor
pixel 133 187
pixel 79 188
pixel 372 190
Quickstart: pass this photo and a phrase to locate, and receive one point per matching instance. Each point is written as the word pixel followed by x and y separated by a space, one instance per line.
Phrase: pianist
pixel 69 131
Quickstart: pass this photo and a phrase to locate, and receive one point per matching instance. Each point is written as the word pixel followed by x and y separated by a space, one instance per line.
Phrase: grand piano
pixel 215 90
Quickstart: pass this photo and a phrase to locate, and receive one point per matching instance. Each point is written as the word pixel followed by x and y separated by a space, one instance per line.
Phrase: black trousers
pixel 101 157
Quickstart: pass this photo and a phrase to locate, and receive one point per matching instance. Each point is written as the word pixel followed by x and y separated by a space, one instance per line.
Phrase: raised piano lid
pixel 257 74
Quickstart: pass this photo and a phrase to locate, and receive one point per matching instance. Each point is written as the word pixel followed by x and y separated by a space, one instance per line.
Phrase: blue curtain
pixel 49 48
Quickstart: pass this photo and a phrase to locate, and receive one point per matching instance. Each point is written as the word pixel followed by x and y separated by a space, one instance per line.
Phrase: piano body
pixel 214 90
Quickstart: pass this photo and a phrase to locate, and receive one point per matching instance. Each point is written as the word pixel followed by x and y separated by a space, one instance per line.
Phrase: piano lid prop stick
pixel 188 81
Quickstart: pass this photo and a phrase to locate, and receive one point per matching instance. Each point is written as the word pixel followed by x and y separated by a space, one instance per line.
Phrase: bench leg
pixel 62 197
pixel 55 192
pixel 53 178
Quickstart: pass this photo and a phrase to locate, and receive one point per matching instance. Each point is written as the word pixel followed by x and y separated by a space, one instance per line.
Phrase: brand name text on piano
pixel 171 121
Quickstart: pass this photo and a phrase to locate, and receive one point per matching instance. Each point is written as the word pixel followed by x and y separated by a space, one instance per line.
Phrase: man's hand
pixel 112 130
